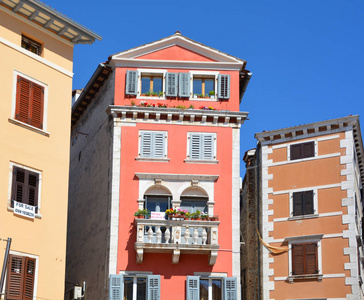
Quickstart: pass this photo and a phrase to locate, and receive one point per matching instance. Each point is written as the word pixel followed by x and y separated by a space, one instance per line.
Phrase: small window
pixel 203 86
pixel 303 150
pixel 202 146
pixel 153 144
pixel 151 85
pixel 304 259
pixel 303 203
pixel 31 45
pixel 157 203
pixel 193 204
pixel 21 274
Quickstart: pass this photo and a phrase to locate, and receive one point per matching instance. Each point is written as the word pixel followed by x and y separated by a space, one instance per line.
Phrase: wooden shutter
pixel 171 84
pixel 295 151
pixel 208 146
pixel 307 203
pixel 116 287
pixel 308 149
pixel 131 85
pixel 297 204
pixel 224 86
pixel 297 259
pixel 193 288
pixel 15 280
pixel 184 85
pixel 29 273
pixel 23 96
pixel 230 288
pixel 153 287
pixel 311 258
pixel 36 106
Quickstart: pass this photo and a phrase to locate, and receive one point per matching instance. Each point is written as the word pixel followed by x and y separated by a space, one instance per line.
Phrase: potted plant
pixel 191 107
pixel 170 213
pixel 142 213
pixel 194 95
pixel 181 107
pixel 196 215
pixel 160 94
pixel 132 103
pixel 212 94
pixel 214 218
pixel 204 217
pixel 154 93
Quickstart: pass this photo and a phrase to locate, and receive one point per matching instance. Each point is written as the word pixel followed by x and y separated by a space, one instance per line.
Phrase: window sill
pixel 313 216
pixel 152 159
pixel 37 216
pixel 204 99
pixel 24 125
pixel 201 161
pixel 304 277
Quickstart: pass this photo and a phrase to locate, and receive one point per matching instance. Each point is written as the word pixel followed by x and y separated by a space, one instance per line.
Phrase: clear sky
pixel 306 56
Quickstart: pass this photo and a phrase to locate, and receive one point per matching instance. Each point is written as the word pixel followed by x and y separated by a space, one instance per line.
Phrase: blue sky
pixel 306 56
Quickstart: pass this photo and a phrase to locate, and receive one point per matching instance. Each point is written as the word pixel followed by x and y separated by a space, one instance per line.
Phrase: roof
pixel 52 20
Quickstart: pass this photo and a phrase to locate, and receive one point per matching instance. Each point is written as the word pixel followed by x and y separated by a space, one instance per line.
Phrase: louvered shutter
pixel 153 287
pixel 224 86
pixel 19 190
pixel 23 96
pixel 208 147
pixel 230 288
pixel 36 106
pixel 146 146
pixel 15 279
pixel 184 85
pixel 116 287
pixel 29 272
pixel 171 84
pixel 308 149
pixel 308 203
pixel 297 259
pixel 153 145
pixel 297 204
pixel 311 258
pixel 195 146
pixel 193 288
pixel 295 151
pixel 33 180
pixel 131 85
pixel 158 145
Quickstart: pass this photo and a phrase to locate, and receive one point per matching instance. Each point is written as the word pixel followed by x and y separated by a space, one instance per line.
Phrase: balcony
pixel 176 237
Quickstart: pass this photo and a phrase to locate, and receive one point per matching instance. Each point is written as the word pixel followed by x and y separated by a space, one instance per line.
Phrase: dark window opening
pixel 303 203
pixel 302 150
pixel 31 45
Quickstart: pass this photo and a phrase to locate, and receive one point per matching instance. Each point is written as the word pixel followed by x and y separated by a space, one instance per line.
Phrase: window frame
pixel 201 154
pixel 303 156
pixel 11 183
pixel 13 118
pixel 152 157
pixel 34 42
pixel 152 73
pixel 203 74
pixel 314 203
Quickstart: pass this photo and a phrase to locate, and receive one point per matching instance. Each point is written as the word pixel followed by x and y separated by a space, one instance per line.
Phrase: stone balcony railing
pixel 176 237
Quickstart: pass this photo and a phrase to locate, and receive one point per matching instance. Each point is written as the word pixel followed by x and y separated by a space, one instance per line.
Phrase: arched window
pixel 157 199
pixel 193 199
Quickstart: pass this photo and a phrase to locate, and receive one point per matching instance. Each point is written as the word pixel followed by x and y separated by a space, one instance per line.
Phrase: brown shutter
pixel 297 259
pixel 15 279
pixel 295 151
pixel 33 180
pixel 308 203
pixel 23 95
pixel 297 204
pixel 29 278
pixel 308 149
pixel 311 258
pixel 36 111
pixel 19 185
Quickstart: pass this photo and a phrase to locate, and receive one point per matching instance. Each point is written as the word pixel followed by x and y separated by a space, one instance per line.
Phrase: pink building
pixel 157 127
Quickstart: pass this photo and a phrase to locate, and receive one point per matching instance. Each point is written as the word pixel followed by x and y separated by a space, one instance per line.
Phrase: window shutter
pixel 15 279
pixel 33 187
pixel 153 287
pixel 295 151
pixel 208 147
pixel 297 204
pixel 158 139
pixel 171 84
pixel 19 185
pixel 308 203
pixel 311 258
pixel 131 86
pixel 224 86
pixel 23 96
pixel 193 288
pixel 36 111
pixel 146 146
pixel 184 85
pixel 297 259
pixel 29 278
pixel 195 146
pixel 116 287
pixel 230 288
pixel 308 149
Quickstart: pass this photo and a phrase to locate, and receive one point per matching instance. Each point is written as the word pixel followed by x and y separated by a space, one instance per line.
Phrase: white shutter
pixel 153 144
pixel 208 147
pixel 158 141
pixel 195 146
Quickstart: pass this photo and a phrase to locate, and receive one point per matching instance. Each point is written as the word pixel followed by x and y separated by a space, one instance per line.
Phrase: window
pixel 134 287
pixel 149 82
pixel 157 203
pixel 152 85
pixel 29 102
pixel 25 187
pixel 153 144
pixel 31 45
pixel 21 274
pixel 203 85
pixel 303 203
pixel 303 150
pixel 201 146
pixel 210 288
pixel 304 259
pixel 192 204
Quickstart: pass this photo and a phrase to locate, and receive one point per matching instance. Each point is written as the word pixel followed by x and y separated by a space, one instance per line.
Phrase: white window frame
pixel 302 142
pixel 189 159
pixel 203 73
pixel 316 238
pixel 315 204
pixel 45 102
pixel 143 72
pixel 165 149
pixel 11 169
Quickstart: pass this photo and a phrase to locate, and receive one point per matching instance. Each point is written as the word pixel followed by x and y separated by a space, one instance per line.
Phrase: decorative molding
pixel 185 177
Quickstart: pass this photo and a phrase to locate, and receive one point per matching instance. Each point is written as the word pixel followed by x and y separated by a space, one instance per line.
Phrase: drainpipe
pixel 5 264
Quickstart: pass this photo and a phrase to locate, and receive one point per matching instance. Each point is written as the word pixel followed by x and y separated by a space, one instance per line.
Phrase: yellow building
pixel 36 53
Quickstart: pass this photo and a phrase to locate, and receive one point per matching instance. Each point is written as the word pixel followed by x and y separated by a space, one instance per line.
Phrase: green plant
pixel 204 216
pixel 160 94
pixel 132 102
pixel 181 107
pixel 154 93
pixel 148 93
pixel 191 106
pixel 201 96
pixel 142 212
pixel 212 93
pixel 196 215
